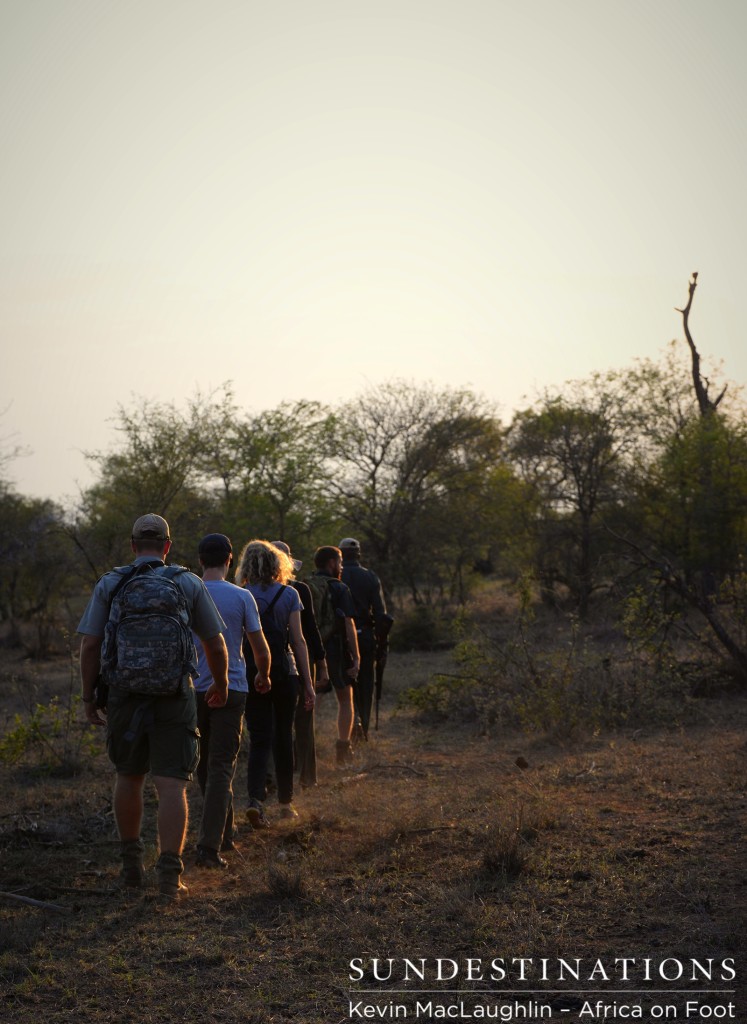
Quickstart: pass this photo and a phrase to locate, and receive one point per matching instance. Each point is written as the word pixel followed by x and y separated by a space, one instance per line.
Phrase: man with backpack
pixel 137 639
pixel 370 616
pixel 334 612
pixel 220 727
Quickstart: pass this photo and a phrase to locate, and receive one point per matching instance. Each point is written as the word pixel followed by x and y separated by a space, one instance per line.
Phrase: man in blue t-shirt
pixel 220 727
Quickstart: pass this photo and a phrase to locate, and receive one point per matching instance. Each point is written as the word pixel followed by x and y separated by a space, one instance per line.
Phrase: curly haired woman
pixel 264 571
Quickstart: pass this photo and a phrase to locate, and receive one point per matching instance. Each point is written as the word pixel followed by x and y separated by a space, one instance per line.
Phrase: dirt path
pixel 438 843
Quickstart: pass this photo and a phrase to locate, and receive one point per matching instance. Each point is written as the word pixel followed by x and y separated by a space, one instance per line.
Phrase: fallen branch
pixel 424 831
pixel 396 767
pixel 85 892
pixel 53 907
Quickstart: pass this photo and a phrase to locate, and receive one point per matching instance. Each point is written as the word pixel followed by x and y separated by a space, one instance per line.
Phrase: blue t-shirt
pixel 289 601
pixel 238 610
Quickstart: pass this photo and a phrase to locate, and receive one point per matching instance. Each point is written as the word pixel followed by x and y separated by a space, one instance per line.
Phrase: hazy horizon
pixel 310 198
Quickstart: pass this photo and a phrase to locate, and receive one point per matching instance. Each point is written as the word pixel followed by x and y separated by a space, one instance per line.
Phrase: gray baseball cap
pixel 151 527
pixel 287 551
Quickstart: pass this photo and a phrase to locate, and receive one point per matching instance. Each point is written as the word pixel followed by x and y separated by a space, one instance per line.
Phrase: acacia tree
pixel 288 475
pixel 207 466
pixel 158 466
pixel 410 464
pixel 572 449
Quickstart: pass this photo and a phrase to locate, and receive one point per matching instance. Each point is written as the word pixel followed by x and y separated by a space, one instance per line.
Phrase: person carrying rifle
pixel 371 627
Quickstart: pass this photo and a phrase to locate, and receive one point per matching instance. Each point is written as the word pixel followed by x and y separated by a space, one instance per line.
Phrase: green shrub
pixel 560 684
pixel 53 739
pixel 421 629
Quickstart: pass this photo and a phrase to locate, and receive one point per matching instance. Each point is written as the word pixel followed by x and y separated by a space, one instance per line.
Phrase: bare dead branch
pixel 396 767
pixel 55 908
pixel 706 404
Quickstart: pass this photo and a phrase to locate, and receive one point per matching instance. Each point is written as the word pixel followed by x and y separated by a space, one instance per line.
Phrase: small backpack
pixel 148 646
pixel 277 640
pixel 324 611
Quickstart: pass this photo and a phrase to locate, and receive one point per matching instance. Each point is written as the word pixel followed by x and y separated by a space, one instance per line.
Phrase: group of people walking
pixel 186 661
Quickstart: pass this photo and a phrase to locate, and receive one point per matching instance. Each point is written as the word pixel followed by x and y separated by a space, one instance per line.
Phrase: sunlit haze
pixel 310 197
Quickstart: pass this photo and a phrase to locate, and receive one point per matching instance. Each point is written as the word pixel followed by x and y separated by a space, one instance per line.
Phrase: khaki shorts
pixel 153 734
pixel 336 664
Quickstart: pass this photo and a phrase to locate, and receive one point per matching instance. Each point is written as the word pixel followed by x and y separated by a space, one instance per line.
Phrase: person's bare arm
pixel 262 660
pixel 301 654
pixel 216 653
pixel 90 666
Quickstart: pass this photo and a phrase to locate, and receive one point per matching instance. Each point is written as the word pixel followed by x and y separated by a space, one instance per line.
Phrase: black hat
pixel 215 545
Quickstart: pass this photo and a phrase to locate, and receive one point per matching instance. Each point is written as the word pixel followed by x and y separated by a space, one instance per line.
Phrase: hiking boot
pixel 173 893
pixel 359 733
pixel 208 858
pixel 344 753
pixel 255 814
pixel 288 811
pixel 169 868
pixel 132 875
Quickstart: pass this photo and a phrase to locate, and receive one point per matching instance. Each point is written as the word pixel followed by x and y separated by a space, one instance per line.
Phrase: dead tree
pixel 706 404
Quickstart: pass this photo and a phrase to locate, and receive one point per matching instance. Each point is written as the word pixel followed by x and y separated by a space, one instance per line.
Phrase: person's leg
pixel 172 813
pixel 305 747
pixel 223 751
pixel 284 699
pixel 129 753
pixel 128 805
pixel 172 830
pixel 259 720
pixel 343 693
pixel 175 753
pixel 128 814
pixel 203 724
pixel 364 687
pixel 345 713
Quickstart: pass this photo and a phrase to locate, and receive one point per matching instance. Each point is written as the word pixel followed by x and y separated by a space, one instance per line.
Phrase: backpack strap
pixel 172 571
pixel 136 570
pixel 274 601
pixel 124 578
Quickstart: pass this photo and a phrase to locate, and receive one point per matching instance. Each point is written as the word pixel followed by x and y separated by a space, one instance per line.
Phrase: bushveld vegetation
pixel 560 768
pixel 625 493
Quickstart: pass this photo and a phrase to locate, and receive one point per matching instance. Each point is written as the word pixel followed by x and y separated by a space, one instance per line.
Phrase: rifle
pixel 383 629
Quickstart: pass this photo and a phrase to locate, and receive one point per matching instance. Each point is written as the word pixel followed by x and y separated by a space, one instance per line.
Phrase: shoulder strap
pixel 274 601
pixel 172 571
pixel 124 578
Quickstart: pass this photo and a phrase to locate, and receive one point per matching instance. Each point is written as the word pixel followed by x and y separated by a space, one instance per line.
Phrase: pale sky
pixel 307 197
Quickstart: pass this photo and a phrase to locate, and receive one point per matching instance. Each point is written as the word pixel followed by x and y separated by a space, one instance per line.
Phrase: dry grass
pixel 439 843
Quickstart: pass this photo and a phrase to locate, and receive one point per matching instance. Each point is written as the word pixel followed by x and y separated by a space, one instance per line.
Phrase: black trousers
pixel 364 686
pixel 269 717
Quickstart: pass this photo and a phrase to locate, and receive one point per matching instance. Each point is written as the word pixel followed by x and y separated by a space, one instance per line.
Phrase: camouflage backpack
pixel 324 611
pixel 148 646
